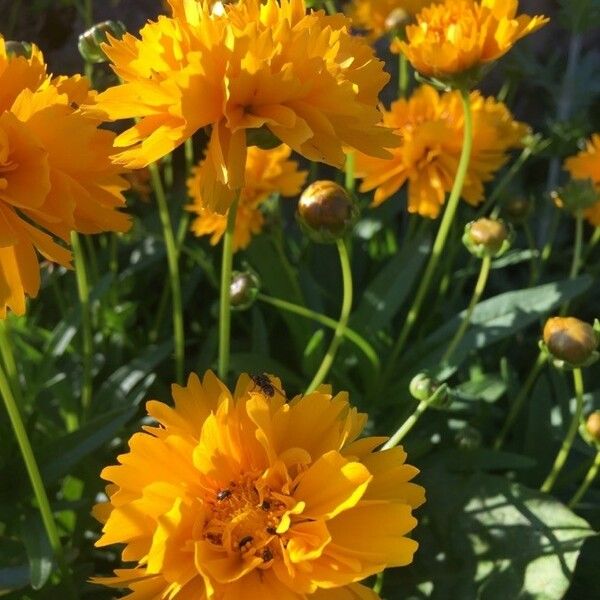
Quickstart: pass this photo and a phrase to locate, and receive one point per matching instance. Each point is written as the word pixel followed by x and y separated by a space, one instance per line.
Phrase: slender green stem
pixel 173 265
pixel 592 244
pixel 403 76
pixel 407 425
pixel 517 405
pixel 35 478
pixel 484 273
pixel 307 313
pixel 349 181
pixel 577 250
pixel 553 228
pixel 330 7
pixel 440 240
pixel 86 325
pixel 585 484
pixel 9 362
pixel 377 587
pixel 342 324
pixel 565 448
pixel 534 256
pixel 225 305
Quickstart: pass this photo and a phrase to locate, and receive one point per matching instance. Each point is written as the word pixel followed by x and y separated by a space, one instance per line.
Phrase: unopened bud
pixel 243 290
pixel 326 212
pixel 570 342
pixel 90 41
pixel 517 209
pixel 486 237
pixel 424 388
pixel 592 426
pixel 16 49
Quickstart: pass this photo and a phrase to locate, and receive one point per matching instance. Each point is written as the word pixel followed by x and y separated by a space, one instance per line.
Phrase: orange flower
pixel 242 69
pixel 380 17
pixel 267 172
pixel 459 35
pixel 430 125
pixel 246 495
pixel 56 175
pixel 586 165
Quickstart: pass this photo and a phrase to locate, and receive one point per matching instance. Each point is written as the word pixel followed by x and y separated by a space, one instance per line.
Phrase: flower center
pixel 244 520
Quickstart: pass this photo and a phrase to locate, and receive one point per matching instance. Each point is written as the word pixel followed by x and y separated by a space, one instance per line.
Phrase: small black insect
pixel 265 505
pixel 266 555
pixel 271 530
pixel 264 383
pixel 223 495
pixel 245 541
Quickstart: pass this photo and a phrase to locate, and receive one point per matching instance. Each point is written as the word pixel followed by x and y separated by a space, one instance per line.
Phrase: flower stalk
pixel 342 324
pixel 225 300
pixel 587 481
pixel 565 448
pixel 173 266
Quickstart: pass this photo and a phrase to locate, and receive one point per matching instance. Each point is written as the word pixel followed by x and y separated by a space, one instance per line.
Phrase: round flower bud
pixel 90 41
pixel 424 388
pixel 243 289
pixel 18 49
pixel 592 426
pixel 571 342
pixel 468 438
pixel 486 237
pixel 326 212
pixel 518 209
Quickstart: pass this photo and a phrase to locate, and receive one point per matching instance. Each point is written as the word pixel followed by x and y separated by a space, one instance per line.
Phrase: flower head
pixel 56 175
pixel 267 172
pixel 245 67
pixel 586 165
pixel 570 342
pixel 459 35
pixel 246 495
pixel 430 125
pixel 379 17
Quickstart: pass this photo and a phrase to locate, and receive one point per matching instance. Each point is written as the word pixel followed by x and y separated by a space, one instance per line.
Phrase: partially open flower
pixel 245 495
pixel 571 343
pixel 243 289
pixel 326 211
pixel 457 36
pixel 486 237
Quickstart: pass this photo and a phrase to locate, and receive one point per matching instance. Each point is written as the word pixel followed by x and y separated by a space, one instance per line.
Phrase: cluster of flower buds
pixel 571 343
pixel 486 237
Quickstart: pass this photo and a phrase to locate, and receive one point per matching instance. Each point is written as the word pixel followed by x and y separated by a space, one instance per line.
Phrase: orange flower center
pixel 243 520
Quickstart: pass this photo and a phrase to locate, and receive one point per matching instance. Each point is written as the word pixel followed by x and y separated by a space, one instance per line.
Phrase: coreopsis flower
pixel 247 495
pixel 56 175
pixel 380 17
pixel 586 165
pixel 458 35
pixel 244 69
pixel 267 172
pixel 431 125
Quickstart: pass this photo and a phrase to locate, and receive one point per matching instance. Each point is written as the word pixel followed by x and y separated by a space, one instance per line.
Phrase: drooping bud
pixel 18 49
pixel 592 426
pixel 576 196
pixel 243 290
pixel 486 237
pixel 326 212
pixel 90 41
pixel 571 343
pixel 517 209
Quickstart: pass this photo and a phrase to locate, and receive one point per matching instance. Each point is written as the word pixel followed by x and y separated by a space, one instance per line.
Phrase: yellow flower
pixel 56 175
pixel 379 17
pixel 242 69
pixel 267 172
pixel 586 165
pixel 248 496
pixel 458 35
pixel 430 125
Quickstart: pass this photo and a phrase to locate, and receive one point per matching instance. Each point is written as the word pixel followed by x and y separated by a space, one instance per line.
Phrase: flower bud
pixel 326 212
pixel 468 438
pixel 517 209
pixel 243 289
pixel 90 41
pixel 486 237
pixel 424 388
pixel 576 196
pixel 592 426
pixel 18 49
pixel 570 342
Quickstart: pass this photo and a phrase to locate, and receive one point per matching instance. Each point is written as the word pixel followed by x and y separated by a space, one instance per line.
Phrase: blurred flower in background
pixel 586 165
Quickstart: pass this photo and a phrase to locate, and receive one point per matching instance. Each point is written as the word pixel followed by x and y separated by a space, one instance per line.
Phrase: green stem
pixel 403 78
pixel 173 265
pixel 577 250
pixel 36 479
pixel 225 304
pixel 565 448
pixel 338 335
pixel 517 405
pixel 477 292
pixel 440 240
pixel 307 313
pixel 534 256
pixel 9 362
pixel 407 425
pixel 330 7
pixel 589 478
pixel 86 324
pixel 349 171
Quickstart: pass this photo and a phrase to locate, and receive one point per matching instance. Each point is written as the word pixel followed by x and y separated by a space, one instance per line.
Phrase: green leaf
pixel 13 578
pixel 488 388
pixel 38 549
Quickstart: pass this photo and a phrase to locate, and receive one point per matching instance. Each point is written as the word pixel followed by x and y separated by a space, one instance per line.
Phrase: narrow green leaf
pixel 39 551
